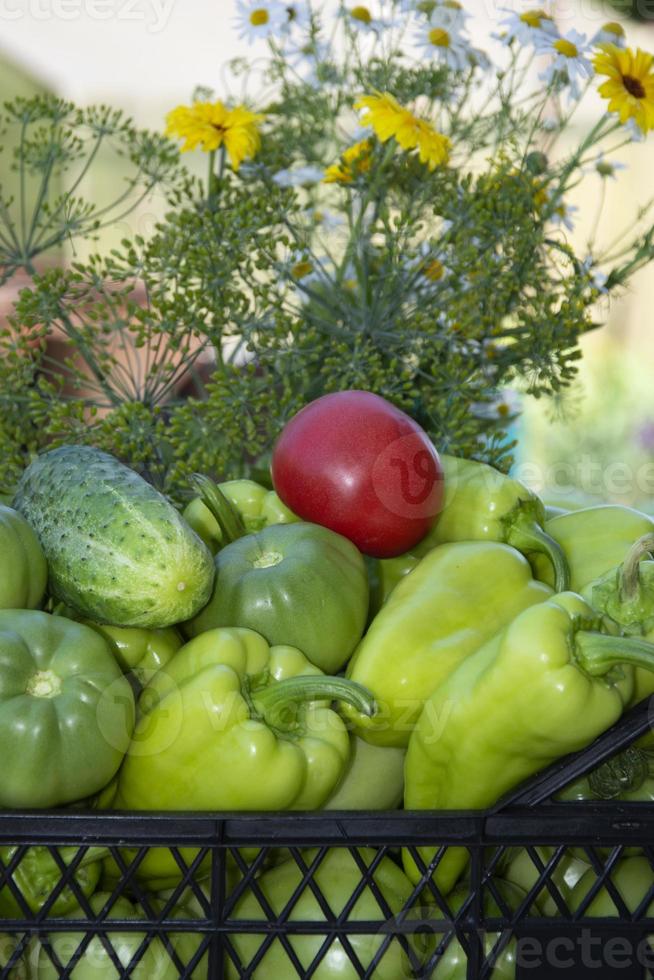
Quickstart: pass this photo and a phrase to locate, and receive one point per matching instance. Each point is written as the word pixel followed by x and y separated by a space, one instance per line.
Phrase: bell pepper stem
pixel 271 702
pixel 229 520
pixel 630 571
pixel 598 653
pixel 528 535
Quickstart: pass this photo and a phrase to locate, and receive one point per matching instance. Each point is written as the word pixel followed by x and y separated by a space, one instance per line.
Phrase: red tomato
pixel 353 462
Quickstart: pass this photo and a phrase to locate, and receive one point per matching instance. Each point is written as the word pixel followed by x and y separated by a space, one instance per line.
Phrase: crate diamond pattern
pixel 553 889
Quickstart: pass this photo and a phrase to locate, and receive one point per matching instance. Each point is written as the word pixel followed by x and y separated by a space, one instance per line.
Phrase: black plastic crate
pixel 230 924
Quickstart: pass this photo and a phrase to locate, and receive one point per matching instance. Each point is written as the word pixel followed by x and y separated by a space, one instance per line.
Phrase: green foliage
pixel 436 288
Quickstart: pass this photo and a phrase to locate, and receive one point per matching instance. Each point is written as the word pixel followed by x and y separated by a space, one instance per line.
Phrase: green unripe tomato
pixel 23 569
pixel 300 585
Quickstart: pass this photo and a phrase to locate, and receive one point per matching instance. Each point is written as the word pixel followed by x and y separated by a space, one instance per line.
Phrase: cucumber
pixel 117 550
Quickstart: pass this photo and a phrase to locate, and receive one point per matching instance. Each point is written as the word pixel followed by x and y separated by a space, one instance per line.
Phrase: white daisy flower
pixel 325 220
pixel 439 38
pixel 526 28
pixel 361 17
pixel 260 19
pixel 611 33
pixel 598 279
pixel 299 176
pixel 569 63
pixel 606 168
pixel 505 406
pixel 564 214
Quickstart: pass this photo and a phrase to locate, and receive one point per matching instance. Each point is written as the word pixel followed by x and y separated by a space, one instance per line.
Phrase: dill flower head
pixel 211 125
pixel 630 83
pixel 391 120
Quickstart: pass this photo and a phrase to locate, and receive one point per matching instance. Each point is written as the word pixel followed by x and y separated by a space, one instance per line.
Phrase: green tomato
pixel 95 962
pixel 296 584
pixel 66 711
pixel 23 569
pixel 337 876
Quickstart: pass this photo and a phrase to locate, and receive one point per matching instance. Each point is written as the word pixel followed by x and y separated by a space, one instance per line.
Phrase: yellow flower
pixel 211 125
pixel 630 84
pixel 391 120
pixel 354 162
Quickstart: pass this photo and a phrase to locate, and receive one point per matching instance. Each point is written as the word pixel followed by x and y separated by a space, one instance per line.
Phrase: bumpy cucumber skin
pixel 117 550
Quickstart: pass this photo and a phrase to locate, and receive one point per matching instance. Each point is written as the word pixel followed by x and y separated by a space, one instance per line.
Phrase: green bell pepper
pixel 482 504
pixel 300 584
pixel 228 703
pixel 337 876
pixel 66 711
pixel 383 575
pixel 95 962
pixel 8 950
pixel 23 569
pixel 140 653
pixel 544 687
pixel 626 595
pixel 632 878
pixel 256 506
pixel 37 875
pixel 459 596
pixel 594 540
pixel 373 779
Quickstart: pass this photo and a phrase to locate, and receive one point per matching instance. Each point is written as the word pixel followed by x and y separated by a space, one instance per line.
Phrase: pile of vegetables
pixel 384 627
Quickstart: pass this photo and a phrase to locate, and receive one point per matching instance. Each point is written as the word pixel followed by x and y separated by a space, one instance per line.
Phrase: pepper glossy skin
pixel 594 540
pixel 257 506
pixel 544 687
pixel 23 569
pixel 383 575
pixel 300 584
pixel 456 598
pixel 373 779
pixel 519 868
pixel 37 875
pixel 483 504
pixel 337 876
pixel 228 703
pixel 632 878
pixel 140 653
pixel 66 711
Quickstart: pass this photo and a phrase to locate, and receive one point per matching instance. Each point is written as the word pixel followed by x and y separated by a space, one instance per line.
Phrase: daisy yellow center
pixel 534 18
pixel 259 17
pixel 566 48
pixel 434 270
pixel 301 269
pixel 362 14
pixel 634 86
pixel 613 28
pixel 439 38
pixel 503 409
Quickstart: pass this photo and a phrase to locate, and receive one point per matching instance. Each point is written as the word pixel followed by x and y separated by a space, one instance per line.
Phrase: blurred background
pixel 145 56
